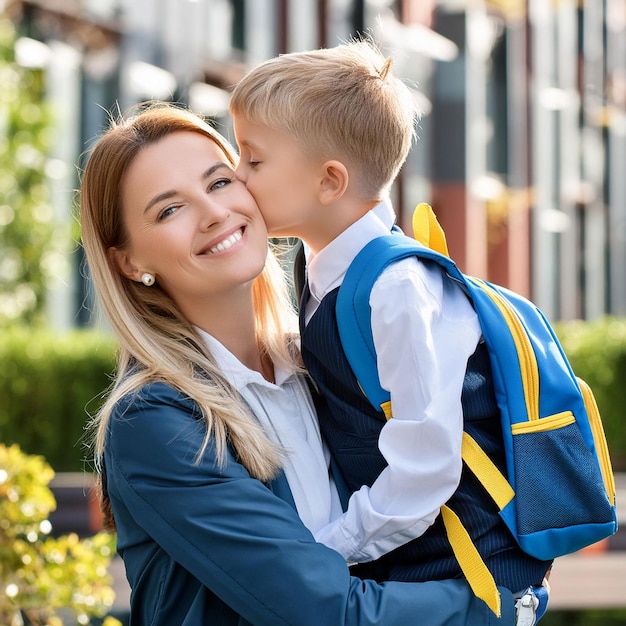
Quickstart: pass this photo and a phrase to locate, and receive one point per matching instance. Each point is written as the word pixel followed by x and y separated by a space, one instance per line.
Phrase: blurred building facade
pixel 522 140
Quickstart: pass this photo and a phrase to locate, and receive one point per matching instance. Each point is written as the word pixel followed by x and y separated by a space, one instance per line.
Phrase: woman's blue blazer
pixel 205 544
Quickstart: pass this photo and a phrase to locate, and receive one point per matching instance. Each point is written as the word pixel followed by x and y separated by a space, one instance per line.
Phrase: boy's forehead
pixel 247 129
pixel 254 134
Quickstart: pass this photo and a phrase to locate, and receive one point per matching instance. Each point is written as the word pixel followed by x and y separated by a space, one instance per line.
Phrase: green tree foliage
pixel 41 576
pixel 26 215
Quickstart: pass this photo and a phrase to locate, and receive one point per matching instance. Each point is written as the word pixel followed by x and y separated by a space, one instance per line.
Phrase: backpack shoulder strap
pixel 354 312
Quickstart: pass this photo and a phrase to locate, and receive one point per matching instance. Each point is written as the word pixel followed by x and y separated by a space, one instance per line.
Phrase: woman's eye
pixel 218 184
pixel 253 163
pixel 166 212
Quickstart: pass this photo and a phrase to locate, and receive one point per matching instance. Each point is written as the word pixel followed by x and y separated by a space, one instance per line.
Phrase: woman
pixel 207 442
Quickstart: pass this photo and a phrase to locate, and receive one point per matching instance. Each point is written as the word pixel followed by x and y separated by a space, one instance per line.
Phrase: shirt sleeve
pixel 243 542
pixel 424 330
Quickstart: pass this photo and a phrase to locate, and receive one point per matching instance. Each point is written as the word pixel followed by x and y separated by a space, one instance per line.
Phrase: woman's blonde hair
pixel 342 103
pixel 157 343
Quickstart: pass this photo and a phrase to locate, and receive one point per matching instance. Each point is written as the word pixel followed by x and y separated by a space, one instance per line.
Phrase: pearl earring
pixel 147 279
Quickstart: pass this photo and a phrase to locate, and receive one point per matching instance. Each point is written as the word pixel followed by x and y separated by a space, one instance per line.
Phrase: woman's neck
pixel 233 325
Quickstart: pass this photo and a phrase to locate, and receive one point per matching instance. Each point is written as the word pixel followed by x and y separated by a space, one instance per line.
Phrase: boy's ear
pixel 120 259
pixel 334 182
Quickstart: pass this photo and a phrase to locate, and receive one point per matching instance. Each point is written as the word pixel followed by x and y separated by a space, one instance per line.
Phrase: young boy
pixel 322 136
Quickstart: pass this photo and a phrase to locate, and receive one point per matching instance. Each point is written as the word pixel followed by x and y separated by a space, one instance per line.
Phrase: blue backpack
pixel 558 495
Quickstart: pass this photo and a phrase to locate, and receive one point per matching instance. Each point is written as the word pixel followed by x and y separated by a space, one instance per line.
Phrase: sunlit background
pixel 522 139
pixel 521 151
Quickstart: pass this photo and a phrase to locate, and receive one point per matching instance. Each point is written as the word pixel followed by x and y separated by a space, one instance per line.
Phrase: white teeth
pixel 227 243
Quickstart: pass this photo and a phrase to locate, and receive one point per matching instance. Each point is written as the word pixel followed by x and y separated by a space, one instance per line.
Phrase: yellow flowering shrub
pixel 41 576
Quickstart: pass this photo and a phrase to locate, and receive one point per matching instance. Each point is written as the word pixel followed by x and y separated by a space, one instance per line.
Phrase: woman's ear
pixel 120 259
pixel 334 182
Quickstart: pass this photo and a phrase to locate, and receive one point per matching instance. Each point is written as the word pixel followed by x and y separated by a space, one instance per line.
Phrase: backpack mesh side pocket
pixel 545 451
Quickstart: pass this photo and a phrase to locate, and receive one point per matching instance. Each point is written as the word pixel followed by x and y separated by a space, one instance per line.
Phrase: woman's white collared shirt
pixel 287 412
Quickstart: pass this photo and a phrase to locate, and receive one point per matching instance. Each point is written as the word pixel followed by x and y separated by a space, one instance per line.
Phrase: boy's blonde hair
pixel 338 103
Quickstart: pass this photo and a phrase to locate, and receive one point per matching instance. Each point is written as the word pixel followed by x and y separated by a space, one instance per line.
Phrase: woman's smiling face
pixel 189 221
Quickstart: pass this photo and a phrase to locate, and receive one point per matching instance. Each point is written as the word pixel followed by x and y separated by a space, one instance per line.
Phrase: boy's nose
pixel 241 173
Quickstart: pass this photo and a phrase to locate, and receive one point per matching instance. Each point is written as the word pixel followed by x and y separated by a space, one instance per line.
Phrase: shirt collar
pixel 327 268
pixel 235 372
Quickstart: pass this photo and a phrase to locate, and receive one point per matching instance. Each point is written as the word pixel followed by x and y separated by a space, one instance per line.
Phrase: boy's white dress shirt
pixel 424 330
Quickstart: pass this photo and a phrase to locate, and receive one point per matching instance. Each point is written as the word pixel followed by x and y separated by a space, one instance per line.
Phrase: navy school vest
pixel 351 426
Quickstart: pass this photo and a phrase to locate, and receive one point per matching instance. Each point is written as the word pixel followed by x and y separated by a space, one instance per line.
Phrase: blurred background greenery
pixel 490 146
pixel 50 383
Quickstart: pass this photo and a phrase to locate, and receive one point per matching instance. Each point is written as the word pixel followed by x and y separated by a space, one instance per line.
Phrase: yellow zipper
pixel 599 438
pixel 528 363
pixel 545 424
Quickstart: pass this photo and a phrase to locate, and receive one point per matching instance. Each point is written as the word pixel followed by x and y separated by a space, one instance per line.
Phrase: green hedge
pixel 49 382
pixel 597 353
